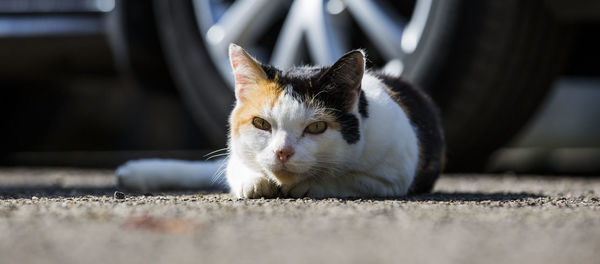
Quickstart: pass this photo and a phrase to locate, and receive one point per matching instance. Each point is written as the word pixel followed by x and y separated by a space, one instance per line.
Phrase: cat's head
pixel 299 123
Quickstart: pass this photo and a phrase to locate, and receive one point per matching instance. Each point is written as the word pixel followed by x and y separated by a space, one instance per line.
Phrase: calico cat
pixel 337 131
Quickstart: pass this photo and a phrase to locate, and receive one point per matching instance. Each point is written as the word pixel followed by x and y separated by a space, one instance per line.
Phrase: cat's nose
pixel 284 154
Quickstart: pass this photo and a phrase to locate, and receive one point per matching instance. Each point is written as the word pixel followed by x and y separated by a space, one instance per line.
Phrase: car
pixel 487 64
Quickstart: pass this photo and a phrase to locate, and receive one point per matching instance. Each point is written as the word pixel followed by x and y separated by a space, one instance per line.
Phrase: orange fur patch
pixel 256 97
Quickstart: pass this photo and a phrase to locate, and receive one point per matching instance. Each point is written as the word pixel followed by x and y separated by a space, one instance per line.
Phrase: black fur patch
pixel 350 125
pixel 363 105
pixel 271 71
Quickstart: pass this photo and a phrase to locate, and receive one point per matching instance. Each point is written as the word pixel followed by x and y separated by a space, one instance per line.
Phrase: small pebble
pixel 119 195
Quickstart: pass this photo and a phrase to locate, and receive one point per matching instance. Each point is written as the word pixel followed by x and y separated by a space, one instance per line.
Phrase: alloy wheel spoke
pixel 323 43
pixel 315 27
pixel 288 43
pixel 242 20
pixel 381 27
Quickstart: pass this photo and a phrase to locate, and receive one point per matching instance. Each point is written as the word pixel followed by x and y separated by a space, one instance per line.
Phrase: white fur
pixel 382 163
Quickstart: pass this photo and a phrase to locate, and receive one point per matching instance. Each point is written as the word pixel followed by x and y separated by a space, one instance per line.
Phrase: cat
pixel 337 131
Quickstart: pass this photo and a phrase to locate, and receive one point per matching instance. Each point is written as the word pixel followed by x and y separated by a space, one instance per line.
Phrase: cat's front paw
pixel 257 188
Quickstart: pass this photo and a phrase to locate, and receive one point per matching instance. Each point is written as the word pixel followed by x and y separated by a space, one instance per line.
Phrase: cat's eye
pixel 261 123
pixel 316 127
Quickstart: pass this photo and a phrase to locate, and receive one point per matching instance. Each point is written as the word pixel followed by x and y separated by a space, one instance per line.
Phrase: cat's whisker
pixel 218 178
pixel 216 151
pixel 217 155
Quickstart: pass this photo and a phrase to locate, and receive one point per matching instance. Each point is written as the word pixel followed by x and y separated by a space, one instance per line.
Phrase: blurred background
pixel 94 83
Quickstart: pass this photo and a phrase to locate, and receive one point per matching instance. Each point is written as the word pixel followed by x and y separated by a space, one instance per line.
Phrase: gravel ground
pixel 72 216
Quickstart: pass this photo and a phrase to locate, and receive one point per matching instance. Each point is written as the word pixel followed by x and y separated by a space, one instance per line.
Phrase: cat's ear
pixel 247 71
pixel 345 76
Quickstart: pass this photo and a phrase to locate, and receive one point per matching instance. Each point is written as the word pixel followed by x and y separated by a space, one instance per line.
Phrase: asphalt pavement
pixel 73 216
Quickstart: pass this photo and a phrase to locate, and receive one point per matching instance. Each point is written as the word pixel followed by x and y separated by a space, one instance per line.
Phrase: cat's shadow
pixel 471 196
pixel 444 196
pixel 55 191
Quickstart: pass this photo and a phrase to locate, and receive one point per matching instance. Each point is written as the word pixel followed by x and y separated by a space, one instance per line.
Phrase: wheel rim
pixel 286 33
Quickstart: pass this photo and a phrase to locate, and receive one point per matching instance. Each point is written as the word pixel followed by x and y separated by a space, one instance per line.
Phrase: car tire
pixel 500 63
